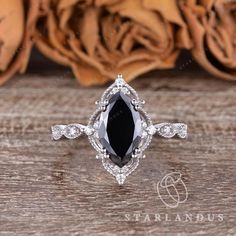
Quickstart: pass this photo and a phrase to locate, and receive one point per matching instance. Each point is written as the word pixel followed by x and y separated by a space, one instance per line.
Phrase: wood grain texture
pixel 59 188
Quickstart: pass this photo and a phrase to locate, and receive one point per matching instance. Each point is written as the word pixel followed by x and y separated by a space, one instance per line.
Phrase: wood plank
pixel 59 188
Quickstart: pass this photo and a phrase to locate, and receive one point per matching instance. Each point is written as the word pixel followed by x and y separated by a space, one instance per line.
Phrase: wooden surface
pixel 59 188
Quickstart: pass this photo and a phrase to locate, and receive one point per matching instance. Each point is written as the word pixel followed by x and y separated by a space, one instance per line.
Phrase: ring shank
pixel 170 130
pixel 165 130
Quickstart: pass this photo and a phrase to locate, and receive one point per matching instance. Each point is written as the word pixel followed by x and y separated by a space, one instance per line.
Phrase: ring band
pixel 165 130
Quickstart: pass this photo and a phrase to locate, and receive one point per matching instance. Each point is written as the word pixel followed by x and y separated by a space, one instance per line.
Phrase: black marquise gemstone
pixel 120 129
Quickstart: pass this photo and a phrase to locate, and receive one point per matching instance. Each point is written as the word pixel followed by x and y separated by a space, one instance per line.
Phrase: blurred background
pixel 97 39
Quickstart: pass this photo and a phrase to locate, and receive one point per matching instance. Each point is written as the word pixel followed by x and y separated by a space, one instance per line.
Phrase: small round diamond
pixel 120 80
pixel 144 134
pixel 96 125
pixel 115 90
pixel 124 90
pixel 182 131
pixel 72 131
pixel 144 124
pixel 56 132
pixel 88 130
pixel 167 131
pixel 151 130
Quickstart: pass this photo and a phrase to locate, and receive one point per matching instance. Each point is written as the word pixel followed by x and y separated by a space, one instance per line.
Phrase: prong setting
pixel 120 85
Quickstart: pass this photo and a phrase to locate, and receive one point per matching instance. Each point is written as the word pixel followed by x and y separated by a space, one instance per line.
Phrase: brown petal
pixel 114 37
pixel 89 30
pixel 170 11
pixel 11 30
pixel 136 11
pixel 204 48
pixel 21 56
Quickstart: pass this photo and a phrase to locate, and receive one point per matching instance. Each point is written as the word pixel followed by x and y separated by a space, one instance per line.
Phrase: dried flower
pixel 213 29
pixel 17 25
pixel 101 38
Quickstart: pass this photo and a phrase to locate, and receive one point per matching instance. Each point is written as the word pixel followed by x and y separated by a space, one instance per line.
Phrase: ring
pixel 120 130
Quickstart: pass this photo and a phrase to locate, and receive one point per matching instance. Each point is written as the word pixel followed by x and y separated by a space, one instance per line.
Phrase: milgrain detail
pixel 169 130
pixel 71 131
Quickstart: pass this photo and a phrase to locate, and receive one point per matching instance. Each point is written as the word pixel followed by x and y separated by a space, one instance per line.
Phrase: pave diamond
pixel 88 130
pixel 169 130
pixel 120 129
pixel 182 130
pixel 72 131
pixel 151 130
pixel 56 132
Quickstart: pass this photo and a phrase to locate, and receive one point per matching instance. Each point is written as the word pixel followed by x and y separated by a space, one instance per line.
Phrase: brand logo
pixel 172 190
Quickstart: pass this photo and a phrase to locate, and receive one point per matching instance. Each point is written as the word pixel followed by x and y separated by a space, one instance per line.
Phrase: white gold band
pixel 165 130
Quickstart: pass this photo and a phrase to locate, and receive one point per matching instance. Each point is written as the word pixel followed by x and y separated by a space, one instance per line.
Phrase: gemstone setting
pixel 134 131
pixel 120 128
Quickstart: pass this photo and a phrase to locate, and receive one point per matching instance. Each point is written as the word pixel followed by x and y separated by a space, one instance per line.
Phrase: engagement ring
pixel 120 130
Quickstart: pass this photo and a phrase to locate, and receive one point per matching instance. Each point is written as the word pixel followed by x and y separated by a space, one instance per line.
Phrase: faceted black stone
pixel 120 129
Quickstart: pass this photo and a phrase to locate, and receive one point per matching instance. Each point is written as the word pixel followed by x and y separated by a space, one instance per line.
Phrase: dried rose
pixel 17 24
pixel 213 29
pixel 101 38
